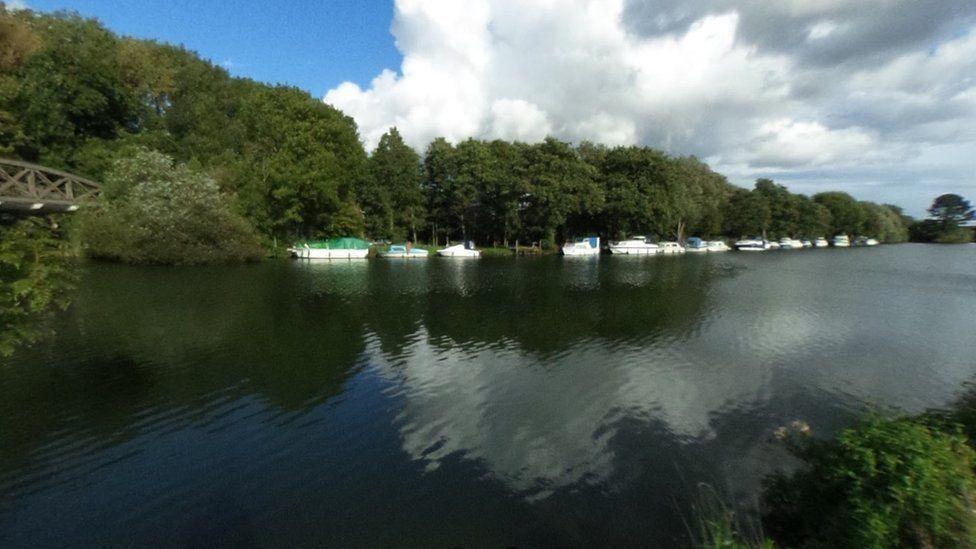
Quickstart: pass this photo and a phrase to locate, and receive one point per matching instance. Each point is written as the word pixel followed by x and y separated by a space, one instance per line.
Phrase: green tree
pixel 559 184
pixel 35 280
pixel 951 210
pixel 440 173
pixel 392 197
pixel 747 213
pixel 166 213
pixel 847 216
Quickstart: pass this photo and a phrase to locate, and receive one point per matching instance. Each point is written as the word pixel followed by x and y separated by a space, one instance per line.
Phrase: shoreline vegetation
pixel 902 481
pixel 273 164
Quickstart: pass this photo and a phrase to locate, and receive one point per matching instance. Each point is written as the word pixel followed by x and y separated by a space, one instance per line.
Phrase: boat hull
pixel 462 253
pixel 323 253
pixel 633 250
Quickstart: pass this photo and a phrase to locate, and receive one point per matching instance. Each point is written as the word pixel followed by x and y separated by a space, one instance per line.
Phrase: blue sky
pixel 314 45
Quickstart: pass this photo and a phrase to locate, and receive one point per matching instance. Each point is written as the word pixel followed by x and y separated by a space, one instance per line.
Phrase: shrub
pixel 156 211
pixel 886 483
pixel 35 280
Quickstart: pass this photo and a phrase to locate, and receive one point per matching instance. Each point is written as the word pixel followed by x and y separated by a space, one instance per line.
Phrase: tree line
pixel 75 96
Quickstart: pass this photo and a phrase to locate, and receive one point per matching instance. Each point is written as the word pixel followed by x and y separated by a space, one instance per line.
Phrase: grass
pixel 716 526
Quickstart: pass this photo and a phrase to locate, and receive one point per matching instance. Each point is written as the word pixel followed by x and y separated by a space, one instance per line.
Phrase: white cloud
pixel 17 5
pixel 577 70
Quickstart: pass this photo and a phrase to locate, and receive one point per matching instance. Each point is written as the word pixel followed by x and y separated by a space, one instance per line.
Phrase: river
pixel 431 403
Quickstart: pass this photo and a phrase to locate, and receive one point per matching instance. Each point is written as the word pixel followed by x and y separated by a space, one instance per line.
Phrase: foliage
pixel 949 212
pixel 392 197
pixel 885 483
pixel 35 280
pixel 716 526
pixel 161 212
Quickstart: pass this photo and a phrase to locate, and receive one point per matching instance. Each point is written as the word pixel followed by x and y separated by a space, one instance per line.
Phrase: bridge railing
pixel 29 186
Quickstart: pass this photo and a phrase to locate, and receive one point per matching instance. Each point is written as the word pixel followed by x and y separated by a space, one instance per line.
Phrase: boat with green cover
pixel 335 248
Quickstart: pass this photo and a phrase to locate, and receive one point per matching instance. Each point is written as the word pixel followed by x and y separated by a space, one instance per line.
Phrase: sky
pixel 873 97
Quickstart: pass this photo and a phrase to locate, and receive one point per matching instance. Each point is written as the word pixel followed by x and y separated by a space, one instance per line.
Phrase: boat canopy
pixel 695 242
pixel 345 243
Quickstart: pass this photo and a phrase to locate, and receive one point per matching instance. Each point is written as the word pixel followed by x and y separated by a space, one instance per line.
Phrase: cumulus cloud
pixel 802 89
pixel 17 5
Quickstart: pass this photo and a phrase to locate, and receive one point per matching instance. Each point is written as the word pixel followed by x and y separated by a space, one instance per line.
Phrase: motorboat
pixel 403 251
pixel 841 241
pixel 871 242
pixel 787 243
pixel 671 248
pixel 820 242
pixel 336 248
pixel 695 245
pixel 752 245
pixel 773 245
pixel 807 244
pixel 465 249
pixel 717 246
pixel 584 246
pixel 637 245
pixel 865 241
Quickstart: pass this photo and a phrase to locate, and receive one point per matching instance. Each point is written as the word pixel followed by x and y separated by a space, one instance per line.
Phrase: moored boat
pixel 584 246
pixel 404 251
pixel 717 246
pixel 695 245
pixel 671 248
pixel 465 249
pixel 336 248
pixel 752 245
pixel 820 242
pixel 841 241
pixel 637 245
pixel 807 244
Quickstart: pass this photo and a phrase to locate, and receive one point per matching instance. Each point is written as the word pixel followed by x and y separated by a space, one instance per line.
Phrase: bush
pixel 886 483
pixel 156 211
pixel 35 280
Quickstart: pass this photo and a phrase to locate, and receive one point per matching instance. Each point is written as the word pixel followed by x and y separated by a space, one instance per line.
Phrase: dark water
pixel 531 402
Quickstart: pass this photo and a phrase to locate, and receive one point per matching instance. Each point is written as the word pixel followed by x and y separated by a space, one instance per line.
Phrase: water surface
pixel 532 401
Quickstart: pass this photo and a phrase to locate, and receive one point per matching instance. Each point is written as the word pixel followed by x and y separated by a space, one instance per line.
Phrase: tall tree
pixel 392 197
pixel 951 210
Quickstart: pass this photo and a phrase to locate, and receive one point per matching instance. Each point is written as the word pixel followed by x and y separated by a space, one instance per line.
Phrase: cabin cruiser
pixel 695 245
pixel 671 248
pixel 820 242
pixel 842 241
pixel 752 245
pixel 807 244
pixel 865 241
pixel 403 251
pixel 773 245
pixel 585 246
pixel 336 248
pixel 637 245
pixel 717 246
pixel 460 250
pixel 787 243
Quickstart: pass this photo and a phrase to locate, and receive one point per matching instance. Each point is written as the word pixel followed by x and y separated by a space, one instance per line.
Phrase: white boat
pixel 583 246
pixel 671 248
pixel 773 245
pixel 865 241
pixel 460 250
pixel 637 245
pixel 841 241
pixel 752 245
pixel 337 248
pixel 807 244
pixel 820 242
pixel 695 245
pixel 717 246
pixel 401 251
pixel 787 243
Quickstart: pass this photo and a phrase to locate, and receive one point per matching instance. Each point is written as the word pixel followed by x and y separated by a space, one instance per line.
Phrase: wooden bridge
pixel 29 187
